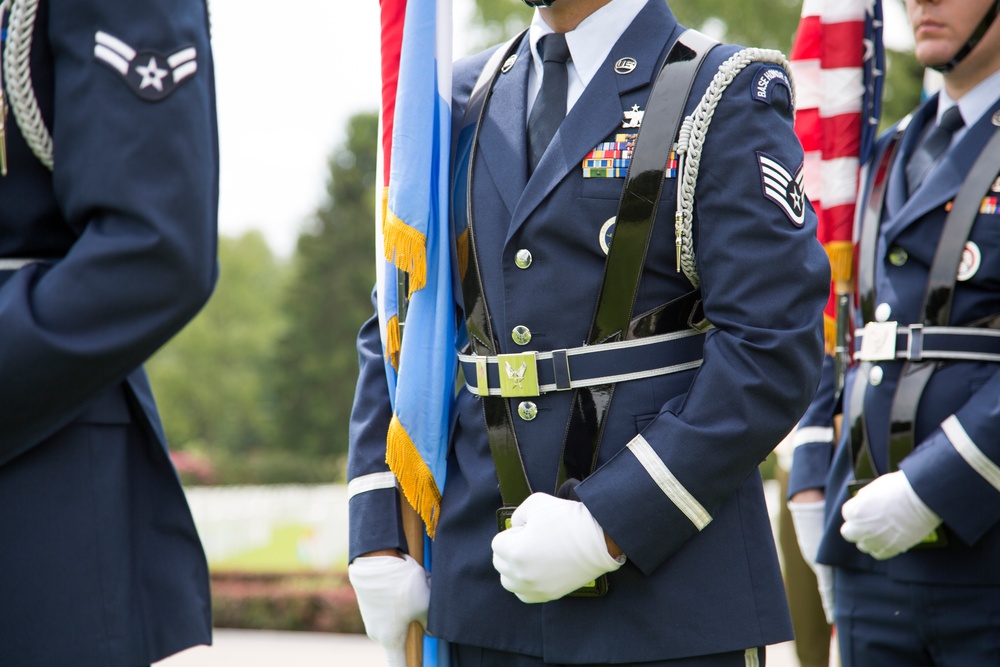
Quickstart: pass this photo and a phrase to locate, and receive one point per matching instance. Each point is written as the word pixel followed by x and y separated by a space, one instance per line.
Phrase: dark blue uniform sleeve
pixel 765 280
pixel 814 437
pixel 964 453
pixel 137 182
pixel 374 501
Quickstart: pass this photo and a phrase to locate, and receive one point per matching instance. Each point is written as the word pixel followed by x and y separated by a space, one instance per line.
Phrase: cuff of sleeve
pixel 810 467
pixel 935 469
pixel 375 523
pixel 612 495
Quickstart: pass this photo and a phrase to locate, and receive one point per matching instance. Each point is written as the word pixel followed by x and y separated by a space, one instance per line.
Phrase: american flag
pixel 838 62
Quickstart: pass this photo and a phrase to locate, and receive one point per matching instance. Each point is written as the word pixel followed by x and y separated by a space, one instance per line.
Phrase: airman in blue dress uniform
pixel 108 207
pixel 915 550
pixel 673 511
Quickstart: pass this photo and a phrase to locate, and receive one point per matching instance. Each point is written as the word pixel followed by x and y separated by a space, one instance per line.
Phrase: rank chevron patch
pixel 784 189
pixel 149 74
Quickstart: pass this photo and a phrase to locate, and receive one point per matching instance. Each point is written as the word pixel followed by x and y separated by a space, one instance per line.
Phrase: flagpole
pixel 413 529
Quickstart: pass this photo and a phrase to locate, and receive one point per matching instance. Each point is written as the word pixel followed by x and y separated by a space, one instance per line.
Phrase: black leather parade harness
pixel 926 346
pixel 612 321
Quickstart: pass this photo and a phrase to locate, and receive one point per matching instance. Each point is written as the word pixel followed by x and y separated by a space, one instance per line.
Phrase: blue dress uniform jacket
pixel 100 564
pixel 956 473
pixel 686 589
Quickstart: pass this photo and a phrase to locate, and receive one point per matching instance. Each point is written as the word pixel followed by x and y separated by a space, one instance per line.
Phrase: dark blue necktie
pixel 550 105
pixel 931 147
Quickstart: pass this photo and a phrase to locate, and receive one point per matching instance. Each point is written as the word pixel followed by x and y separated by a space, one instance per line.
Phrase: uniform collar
pixel 973 104
pixel 589 44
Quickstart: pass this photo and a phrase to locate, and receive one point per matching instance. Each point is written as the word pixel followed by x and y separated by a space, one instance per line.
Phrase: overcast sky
pixel 288 75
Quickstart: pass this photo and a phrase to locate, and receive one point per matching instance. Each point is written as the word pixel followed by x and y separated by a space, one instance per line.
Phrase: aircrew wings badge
pixel 150 75
pixel 783 188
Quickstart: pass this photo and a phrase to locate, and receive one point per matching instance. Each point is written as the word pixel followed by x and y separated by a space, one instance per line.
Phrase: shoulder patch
pixel 149 74
pixel 783 188
pixel 766 79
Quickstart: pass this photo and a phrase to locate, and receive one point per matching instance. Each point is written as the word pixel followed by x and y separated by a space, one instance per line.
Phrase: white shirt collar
pixel 975 103
pixel 589 45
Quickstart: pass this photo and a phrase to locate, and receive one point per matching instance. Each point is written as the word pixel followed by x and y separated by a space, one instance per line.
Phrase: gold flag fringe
pixel 406 248
pixel 462 250
pixel 393 342
pixel 414 476
pixel 841 255
pixel 830 334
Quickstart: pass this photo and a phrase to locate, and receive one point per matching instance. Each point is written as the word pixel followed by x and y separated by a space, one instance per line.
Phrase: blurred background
pixel 256 393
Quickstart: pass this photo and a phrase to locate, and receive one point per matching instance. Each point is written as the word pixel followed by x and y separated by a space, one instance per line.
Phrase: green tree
pixel 210 380
pixel 327 299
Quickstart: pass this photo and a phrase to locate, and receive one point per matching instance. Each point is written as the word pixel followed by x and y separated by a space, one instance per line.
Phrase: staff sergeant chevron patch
pixel 150 75
pixel 784 189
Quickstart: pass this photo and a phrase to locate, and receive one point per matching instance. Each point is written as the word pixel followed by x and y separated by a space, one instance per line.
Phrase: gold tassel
pixel 406 248
pixel 393 342
pixel 385 206
pixel 413 474
pixel 841 255
pixel 830 334
pixel 463 252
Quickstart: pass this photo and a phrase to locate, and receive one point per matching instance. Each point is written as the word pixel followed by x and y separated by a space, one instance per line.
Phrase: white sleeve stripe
pixel 967 449
pixel 808 434
pixel 669 484
pixel 373 482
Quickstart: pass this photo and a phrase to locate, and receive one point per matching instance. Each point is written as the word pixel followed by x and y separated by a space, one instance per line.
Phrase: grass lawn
pixel 281 555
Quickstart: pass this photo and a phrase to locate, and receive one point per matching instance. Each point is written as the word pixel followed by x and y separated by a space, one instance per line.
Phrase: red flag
pixel 837 62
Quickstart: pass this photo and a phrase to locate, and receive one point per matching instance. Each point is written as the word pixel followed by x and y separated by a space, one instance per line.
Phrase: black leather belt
pixel 883 341
pixel 536 373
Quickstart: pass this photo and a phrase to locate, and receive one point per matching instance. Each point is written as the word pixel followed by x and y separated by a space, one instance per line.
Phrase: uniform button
pixel 882 312
pixel 521 335
pixel 898 256
pixel 875 376
pixel 527 410
pixel 522 259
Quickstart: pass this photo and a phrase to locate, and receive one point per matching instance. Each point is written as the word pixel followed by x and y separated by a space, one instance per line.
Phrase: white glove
pixel 552 548
pixel 808 521
pixel 887 517
pixel 392 592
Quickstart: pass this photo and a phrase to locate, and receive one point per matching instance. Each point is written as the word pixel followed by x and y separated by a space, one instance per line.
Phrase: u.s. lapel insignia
pixel 996 119
pixel 972 258
pixel 996 185
pixel 149 74
pixel 625 65
pixel 508 64
pixel 633 117
pixel 783 188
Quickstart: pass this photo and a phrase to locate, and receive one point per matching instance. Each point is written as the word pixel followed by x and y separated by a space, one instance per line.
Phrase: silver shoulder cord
pixel 15 75
pixel 691 138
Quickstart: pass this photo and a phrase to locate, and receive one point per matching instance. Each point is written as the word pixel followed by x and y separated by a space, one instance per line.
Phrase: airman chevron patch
pixel 784 189
pixel 150 75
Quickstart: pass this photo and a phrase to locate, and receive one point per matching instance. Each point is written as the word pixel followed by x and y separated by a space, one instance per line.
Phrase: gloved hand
pixel 392 592
pixel 887 517
pixel 552 548
pixel 808 521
